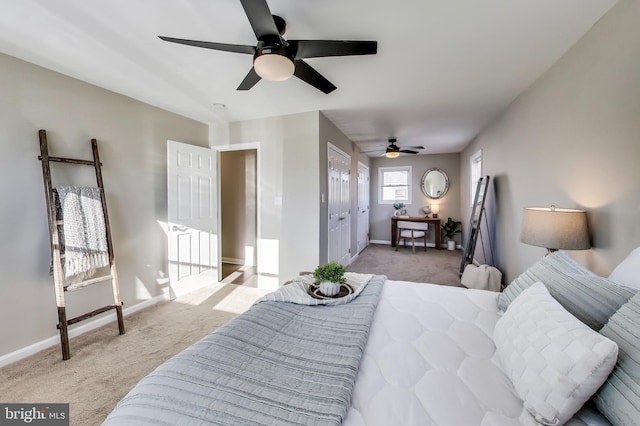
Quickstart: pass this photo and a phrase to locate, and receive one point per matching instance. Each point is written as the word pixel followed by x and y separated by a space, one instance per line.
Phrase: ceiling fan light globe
pixel 273 67
pixel 392 154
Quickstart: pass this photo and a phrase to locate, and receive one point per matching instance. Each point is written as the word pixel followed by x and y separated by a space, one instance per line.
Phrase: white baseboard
pixel 73 332
pixel 380 242
pixel 232 261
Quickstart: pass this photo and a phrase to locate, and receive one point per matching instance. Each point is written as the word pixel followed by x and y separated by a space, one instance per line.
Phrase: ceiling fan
pixel 277 59
pixel 394 150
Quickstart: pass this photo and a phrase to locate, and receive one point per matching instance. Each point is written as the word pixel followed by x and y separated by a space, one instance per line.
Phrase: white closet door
pixel 339 200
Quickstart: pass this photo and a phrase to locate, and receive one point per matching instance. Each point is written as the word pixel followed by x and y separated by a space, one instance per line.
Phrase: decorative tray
pixel 314 291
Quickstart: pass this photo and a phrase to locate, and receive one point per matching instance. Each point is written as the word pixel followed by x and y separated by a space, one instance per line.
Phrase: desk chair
pixel 412 230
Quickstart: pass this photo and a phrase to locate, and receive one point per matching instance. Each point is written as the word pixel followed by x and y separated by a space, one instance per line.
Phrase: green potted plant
pixel 399 207
pixel 329 277
pixel 450 228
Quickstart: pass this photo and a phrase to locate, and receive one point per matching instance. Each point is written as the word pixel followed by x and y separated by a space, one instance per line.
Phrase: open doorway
pixel 238 216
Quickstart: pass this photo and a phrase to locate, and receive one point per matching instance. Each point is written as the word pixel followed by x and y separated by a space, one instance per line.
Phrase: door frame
pixel 239 147
pixel 362 165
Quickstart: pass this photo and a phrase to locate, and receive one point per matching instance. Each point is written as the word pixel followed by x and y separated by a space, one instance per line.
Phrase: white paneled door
pixel 191 197
pixel 339 205
pixel 363 206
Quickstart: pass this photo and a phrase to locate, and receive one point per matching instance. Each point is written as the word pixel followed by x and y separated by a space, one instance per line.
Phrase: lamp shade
pixel 273 66
pixel 435 208
pixel 555 228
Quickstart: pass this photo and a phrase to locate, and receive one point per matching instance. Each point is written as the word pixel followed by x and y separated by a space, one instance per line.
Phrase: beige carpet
pixel 433 266
pixel 104 366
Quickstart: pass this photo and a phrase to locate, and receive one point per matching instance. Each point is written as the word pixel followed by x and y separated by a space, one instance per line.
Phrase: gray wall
pixel 132 139
pixel 449 204
pixel 573 140
pixel 329 133
pixel 292 179
pixel 288 188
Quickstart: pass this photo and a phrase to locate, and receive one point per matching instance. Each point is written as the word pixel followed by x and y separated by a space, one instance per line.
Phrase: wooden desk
pixel 435 222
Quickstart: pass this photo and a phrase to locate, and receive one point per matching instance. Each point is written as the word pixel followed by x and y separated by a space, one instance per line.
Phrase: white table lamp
pixel 435 209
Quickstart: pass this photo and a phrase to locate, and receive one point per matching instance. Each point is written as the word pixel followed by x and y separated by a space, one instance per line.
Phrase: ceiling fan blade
pixel 236 48
pixel 260 19
pixel 305 72
pixel 321 48
pixel 414 147
pixel 408 151
pixel 250 80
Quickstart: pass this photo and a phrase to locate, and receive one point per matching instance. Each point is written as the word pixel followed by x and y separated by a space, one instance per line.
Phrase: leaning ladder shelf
pixel 55 226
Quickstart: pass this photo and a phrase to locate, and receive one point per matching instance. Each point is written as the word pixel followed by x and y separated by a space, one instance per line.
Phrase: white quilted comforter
pixel 430 360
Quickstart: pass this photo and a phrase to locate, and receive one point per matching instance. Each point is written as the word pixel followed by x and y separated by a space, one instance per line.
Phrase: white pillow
pixel 627 273
pixel 554 361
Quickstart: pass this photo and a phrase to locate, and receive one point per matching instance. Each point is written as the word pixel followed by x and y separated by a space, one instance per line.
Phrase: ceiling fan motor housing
pixel 281 24
pixel 392 145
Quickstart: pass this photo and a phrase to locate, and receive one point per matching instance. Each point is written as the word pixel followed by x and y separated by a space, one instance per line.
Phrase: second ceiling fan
pixel 277 59
pixel 394 150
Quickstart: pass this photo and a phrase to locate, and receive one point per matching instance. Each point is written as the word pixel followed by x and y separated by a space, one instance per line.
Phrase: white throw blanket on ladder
pixel 85 236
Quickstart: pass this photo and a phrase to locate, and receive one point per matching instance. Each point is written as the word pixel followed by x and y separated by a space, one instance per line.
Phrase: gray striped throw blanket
pixel 276 364
pixel 84 232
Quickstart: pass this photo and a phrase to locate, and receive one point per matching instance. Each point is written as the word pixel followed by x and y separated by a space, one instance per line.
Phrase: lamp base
pixel 435 215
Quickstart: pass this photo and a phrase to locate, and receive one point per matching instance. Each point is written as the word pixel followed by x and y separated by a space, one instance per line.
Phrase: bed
pixel 413 354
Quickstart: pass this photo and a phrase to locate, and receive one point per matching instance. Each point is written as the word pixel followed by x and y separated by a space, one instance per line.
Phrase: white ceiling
pixel 444 68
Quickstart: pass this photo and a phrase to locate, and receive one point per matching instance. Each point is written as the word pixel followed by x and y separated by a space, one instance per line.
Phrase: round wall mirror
pixel 435 183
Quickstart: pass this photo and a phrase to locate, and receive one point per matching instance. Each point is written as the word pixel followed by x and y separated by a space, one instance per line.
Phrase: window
pixel 475 173
pixel 394 184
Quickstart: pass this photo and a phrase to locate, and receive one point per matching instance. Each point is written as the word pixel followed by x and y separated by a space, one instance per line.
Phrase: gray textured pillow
pixel 619 398
pixel 590 298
